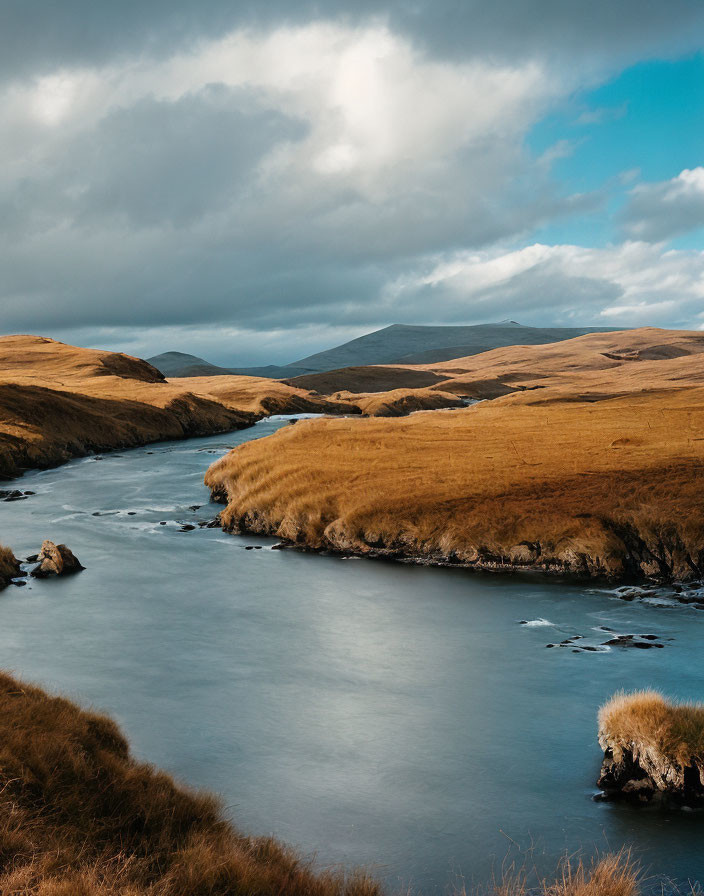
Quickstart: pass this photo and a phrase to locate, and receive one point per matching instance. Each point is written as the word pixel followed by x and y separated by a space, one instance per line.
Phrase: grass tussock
pixel 610 875
pixel 648 720
pixel 9 566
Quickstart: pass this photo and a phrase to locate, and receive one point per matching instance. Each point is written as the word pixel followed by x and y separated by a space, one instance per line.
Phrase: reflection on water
pixel 371 713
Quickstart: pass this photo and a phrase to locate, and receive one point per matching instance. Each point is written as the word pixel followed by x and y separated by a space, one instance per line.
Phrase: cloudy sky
pixel 253 181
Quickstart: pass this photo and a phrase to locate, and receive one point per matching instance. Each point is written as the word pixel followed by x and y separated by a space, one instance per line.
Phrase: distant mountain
pixel 180 364
pixel 403 344
pixel 396 344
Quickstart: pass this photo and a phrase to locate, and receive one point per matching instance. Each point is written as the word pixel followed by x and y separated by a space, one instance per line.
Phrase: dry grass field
pixel 598 471
pixel 58 401
pixel 597 361
pixel 80 817
pixel 399 402
pixel 624 361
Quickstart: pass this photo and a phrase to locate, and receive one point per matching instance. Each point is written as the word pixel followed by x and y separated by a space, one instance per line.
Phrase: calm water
pixel 370 713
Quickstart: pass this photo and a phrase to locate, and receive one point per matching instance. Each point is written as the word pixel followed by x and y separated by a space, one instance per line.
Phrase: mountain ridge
pixel 394 344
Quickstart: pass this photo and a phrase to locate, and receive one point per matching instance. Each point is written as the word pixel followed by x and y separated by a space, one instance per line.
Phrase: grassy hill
pixel 59 401
pixel 591 463
pixel 398 343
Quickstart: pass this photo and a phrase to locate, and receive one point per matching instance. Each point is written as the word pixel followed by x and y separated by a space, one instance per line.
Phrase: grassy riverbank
pixel 534 480
pixel 58 401
pixel 653 749
pixel 675 731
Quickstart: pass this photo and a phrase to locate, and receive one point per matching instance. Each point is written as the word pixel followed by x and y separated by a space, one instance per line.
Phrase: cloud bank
pixel 173 171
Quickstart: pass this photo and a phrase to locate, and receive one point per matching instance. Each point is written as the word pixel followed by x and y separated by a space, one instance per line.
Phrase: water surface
pixel 370 713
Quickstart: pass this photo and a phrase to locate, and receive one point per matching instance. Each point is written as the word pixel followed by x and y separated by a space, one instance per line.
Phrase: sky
pixel 253 182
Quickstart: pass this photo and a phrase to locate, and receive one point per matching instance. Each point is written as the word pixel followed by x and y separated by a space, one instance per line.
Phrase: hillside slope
pixel 597 472
pixel 179 364
pixel 398 343
pixel 625 361
pixel 401 343
pixel 58 401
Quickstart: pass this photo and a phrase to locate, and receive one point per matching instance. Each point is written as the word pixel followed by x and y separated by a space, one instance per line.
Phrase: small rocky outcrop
pixel 653 750
pixel 55 560
pixel 9 567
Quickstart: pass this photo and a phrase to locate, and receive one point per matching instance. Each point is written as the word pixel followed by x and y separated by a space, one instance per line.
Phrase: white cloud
pixel 377 109
pixel 631 284
pixel 658 211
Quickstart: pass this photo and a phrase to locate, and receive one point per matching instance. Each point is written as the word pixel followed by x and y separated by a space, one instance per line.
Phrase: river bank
pixel 536 480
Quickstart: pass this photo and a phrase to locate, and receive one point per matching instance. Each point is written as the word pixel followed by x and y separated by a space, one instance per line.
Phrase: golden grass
pixel 58 401
pixel 538 478
pixel 373 378
pixel 610 875
pixel 646 719
pixel 399 402
pixel 595 364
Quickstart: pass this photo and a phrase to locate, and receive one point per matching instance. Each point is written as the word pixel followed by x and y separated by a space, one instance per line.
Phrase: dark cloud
pixel 39 35
pixel 153 163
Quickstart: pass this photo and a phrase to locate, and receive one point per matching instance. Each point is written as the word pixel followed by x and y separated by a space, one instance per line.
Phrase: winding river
pixel 370 713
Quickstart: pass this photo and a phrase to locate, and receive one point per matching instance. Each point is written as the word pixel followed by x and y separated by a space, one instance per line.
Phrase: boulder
pixel 55 560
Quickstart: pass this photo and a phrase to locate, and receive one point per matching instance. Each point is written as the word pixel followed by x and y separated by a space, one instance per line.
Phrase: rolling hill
pixel 396 344
pixel 180 364
pixel 590 462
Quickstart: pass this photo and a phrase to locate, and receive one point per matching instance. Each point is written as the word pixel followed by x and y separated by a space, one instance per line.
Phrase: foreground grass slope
pixel 595 475
pixel 80 817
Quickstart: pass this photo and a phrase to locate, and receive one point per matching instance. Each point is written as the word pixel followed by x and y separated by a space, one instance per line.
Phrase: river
pixel 371 713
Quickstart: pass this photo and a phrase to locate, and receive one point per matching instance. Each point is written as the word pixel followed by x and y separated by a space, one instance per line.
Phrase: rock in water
pixel 652 750
pixel 55 560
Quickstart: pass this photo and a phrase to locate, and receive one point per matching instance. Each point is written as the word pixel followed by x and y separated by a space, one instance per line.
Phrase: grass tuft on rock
pixel 649 720
pixel 9 566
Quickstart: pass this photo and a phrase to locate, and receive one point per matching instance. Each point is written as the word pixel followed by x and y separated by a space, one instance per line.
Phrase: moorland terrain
pixel 58 401
pixel 583 456
pixel 588 460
